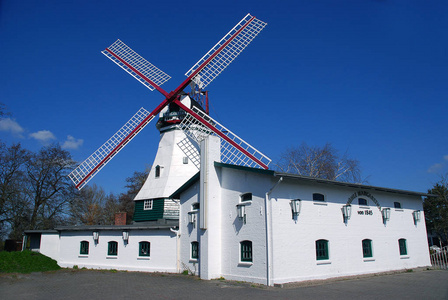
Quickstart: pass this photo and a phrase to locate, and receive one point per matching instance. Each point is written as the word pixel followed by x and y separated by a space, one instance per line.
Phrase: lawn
pixel 26 262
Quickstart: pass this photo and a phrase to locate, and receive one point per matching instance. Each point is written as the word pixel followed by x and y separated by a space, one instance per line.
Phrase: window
pixel 397 204
pixel 321 249
pixel 112 248
pixel 362 201
pixel 318 197
pixel 367 248
pixel 402 246
pixel 84 249
pixel 144 248
pixel 185 160
pixel 246 251
pixel 147 205
pixel 195 206
pixel 157 171
pixel 246 197
pixel 194 250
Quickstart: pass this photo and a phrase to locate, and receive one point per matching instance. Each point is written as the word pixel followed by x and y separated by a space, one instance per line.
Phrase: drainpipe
pixel 177 246
pixel 267 213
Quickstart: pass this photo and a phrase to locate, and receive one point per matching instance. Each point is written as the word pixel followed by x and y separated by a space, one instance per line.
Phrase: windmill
pixel 194 121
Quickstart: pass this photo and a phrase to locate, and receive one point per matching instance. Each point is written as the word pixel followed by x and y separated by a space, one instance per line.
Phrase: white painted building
pixel 238 223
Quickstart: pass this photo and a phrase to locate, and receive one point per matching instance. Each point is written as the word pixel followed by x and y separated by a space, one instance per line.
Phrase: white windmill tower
pixel 182 124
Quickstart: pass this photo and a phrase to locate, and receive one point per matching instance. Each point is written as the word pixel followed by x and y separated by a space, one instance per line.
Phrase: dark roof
pixel 348 184
pixel 159 224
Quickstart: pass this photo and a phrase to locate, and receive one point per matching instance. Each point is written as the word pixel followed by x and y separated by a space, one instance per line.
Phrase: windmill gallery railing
pixel 439 259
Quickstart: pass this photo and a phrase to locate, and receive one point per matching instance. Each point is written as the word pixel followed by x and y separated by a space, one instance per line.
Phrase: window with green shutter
pixel 246 251
pixel 144 248
pixel 402 246
pixel 84 249
pixel 322 250
pixel 367 248
pixel 112 248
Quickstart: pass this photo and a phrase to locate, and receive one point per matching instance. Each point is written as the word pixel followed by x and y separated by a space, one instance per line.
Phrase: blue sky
pixel 368 76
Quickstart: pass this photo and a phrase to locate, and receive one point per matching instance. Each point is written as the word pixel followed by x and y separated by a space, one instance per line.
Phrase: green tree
pixel 436 210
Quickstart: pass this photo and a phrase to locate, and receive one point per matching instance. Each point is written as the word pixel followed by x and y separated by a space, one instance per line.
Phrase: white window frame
pixel 147 204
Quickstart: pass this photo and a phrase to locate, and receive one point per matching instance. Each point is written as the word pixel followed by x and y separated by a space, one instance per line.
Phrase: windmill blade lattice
pixel 234 150
pixel 95 162
pixel 227 49
pixel 138 67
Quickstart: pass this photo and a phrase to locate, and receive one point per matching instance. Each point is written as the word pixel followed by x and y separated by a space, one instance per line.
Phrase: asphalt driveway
pixel 89 284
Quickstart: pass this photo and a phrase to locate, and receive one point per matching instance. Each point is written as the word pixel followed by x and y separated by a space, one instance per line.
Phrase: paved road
pixel 87 284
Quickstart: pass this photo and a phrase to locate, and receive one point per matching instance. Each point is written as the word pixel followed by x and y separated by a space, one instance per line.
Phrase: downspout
pixel 178 247
pixel 267 213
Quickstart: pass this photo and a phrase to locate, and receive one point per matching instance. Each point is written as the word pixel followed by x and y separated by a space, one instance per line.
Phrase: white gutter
pixel 267 213
pixel 178 247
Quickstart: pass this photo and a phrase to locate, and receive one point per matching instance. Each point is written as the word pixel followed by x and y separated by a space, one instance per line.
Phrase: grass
pixel 26 262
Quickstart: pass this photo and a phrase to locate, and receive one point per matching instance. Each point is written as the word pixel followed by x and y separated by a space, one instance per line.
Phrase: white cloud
pixel 11 126
pixel 72 143
pixel 435 168
pixel 43 136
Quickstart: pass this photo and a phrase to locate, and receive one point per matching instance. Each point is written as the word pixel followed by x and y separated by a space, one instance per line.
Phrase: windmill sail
pixel 225 51
pixel 95 162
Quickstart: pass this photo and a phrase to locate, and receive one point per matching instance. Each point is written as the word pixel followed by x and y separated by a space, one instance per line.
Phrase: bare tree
pixel 320 162
pixel 134 184
pixel 87 207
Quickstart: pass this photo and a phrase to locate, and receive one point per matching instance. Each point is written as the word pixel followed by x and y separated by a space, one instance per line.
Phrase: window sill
pixel 143 258
pixel 245 264
pixel 364 207
pixel 399 209
pixel 83 256
pixel 111 257
pixel 320 203
pixel 404 257
pixel 248 202
pixel 193 260
pixel 368 259
pixel 323 262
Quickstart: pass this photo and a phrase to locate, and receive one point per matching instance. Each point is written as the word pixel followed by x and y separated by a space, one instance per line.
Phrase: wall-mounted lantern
pixel 95 237
pixel 346 212
pixel 386 215
pixel 296 205
pixel 241 208
pixel 192 217
pixel 416 215
pixel 126 236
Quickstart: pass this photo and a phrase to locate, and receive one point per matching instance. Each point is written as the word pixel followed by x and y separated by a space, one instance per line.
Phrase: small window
pixel 147 205
pixel 246 197
pixel 84 249
pixel 402 246
pixel 362 201
pixel 112 248
pixel 144 248
pixel 195 206
pixel 194 250
pixel 367 248
pixel 246 251
pixel 322 250
pixel 318 197
pixel 397 204
pixel 157 171
pixel 185 160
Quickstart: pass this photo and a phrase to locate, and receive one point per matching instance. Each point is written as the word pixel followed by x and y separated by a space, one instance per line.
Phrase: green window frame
pixel 402 246
pixel 367 248
pixel 322 250
pixel 84 248
pixel 194 250
pixel 144 248
pixel 246 197
pixel 318 197
pixel 112 248
pixel 246 251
